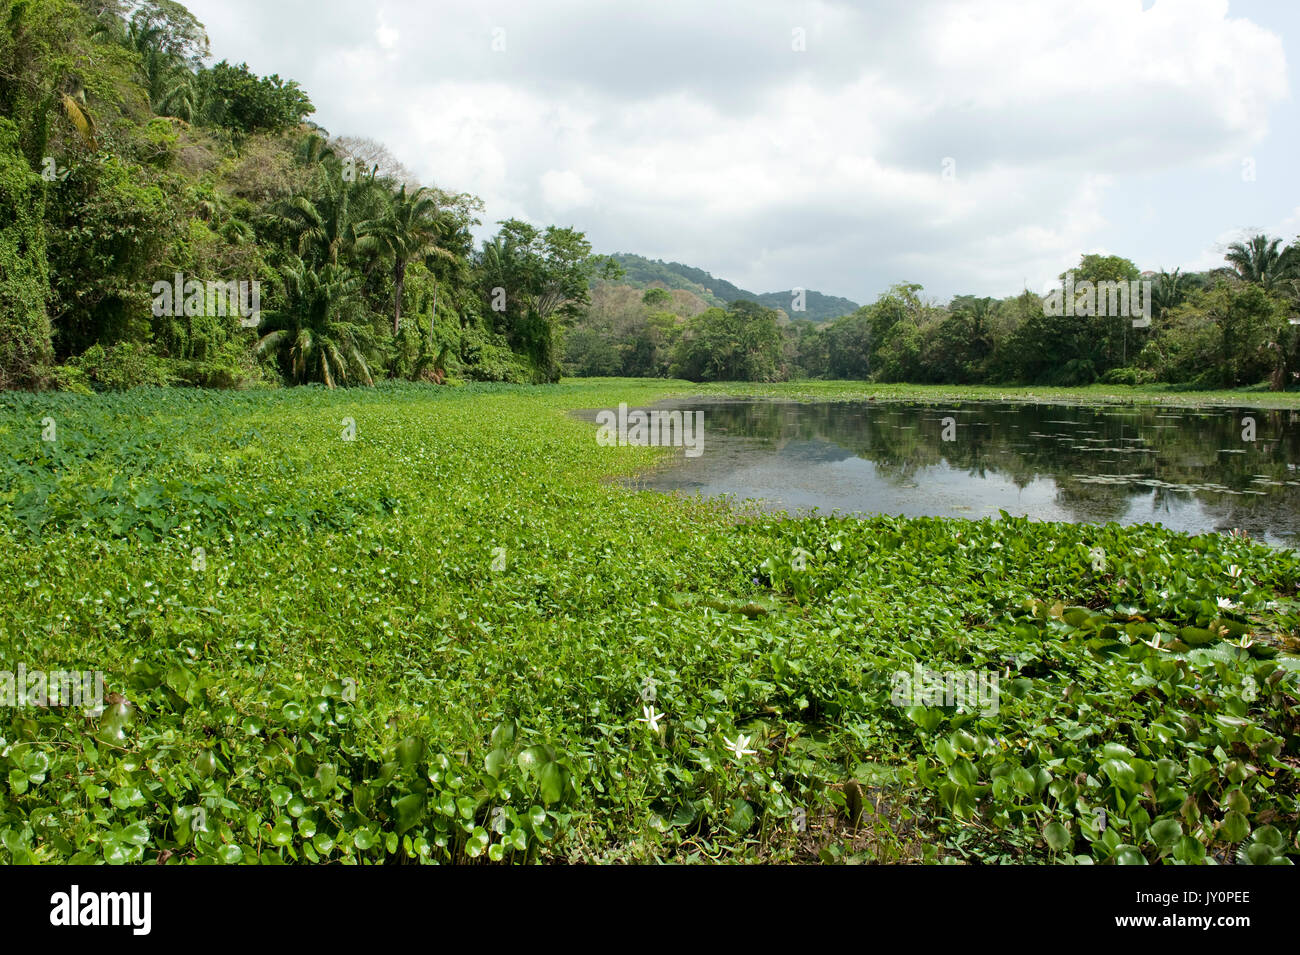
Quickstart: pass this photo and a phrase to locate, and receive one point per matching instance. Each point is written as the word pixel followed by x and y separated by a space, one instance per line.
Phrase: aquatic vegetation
pixel 412 624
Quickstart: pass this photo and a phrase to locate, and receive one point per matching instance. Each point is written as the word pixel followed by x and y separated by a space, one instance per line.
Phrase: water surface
pixel 1186 468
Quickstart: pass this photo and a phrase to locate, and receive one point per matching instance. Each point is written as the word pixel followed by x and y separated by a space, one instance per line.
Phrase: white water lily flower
pixel 1226 604
pixel 738 747
pixel 1234 571
pixel 651 718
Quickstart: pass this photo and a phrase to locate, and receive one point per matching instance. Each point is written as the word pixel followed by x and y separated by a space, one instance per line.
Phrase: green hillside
pixel 643 272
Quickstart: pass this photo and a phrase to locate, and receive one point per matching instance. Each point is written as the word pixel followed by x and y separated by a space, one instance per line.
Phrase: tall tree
pixel 1168 291
pixel 407 230
pixel 319 332
pixel 325 226
pixel 537 281
pixel 1261 261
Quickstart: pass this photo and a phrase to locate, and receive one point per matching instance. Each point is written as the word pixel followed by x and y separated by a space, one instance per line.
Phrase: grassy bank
pixel 414 623
pixel 1091 394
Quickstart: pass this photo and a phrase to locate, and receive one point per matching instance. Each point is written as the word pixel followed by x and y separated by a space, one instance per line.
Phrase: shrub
pixel 121 366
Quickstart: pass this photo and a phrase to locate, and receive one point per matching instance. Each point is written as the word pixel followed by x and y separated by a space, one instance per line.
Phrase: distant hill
pixel 644 273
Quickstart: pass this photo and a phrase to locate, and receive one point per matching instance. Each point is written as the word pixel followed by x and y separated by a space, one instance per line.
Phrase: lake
pixel 1190 469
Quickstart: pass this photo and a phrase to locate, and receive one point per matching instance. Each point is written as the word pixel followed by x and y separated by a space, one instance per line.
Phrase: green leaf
pixel 230 854
pixel 1129 855
pixel 1235 827
pixel 1165 832
pixel 494 762
pixel 409 810
pixel 410 751
pixel 554 781
pixel 1057 836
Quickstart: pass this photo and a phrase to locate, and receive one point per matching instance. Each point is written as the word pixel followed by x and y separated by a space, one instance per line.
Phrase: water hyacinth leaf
pixel 1189 850
pixel 1057 836
pixel 1165 832
pixel 230 854
pixel 1271 837
pixel 205 763
pixel 409 810
pixel 741 817
pixel 282 832
pixel 1234 827
pixel 927 719
pixel 494 762
pixel 1236 800
pixel 503 735
pixel 124 797
pixel 1121 773
pixel 1129 855
pixel 410 751
pixel 554 782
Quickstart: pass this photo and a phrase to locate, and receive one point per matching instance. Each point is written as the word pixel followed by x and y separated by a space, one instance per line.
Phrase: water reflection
pixel 1189 469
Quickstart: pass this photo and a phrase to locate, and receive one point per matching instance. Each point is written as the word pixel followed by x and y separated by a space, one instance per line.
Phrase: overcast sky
pixel 976 146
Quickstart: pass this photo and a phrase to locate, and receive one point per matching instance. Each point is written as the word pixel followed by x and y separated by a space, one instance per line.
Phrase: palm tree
pixel 407 230
pixel 216 209
pixel 36 84
pixel 1168 291
pixel 324 226
pixel 156 67
pixel 500 265
pixel 323 223
pixel 317 334
pixel 172 88
pixel 314 149
pixel 1259 261
pixel 186 98
pixel 70 96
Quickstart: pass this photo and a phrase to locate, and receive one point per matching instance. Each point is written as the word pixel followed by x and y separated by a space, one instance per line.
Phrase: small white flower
pixel 1226 604
pixel 651 718
pixel 1245 643
pixel 738 747
pixel 1234 571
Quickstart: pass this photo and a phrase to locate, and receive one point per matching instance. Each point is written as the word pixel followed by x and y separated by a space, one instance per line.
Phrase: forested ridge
pixel 640 272
pixel 1225 328
pixel 127 163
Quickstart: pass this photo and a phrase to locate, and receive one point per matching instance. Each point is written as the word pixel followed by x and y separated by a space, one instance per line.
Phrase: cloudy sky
pixel 975 146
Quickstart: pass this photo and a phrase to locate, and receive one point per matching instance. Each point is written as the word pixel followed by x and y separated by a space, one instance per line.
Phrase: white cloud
pixel 694 132
pixel 386 36
pixel 564 190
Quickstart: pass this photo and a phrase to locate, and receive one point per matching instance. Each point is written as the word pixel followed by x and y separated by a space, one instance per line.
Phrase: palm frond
pixel 79 117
